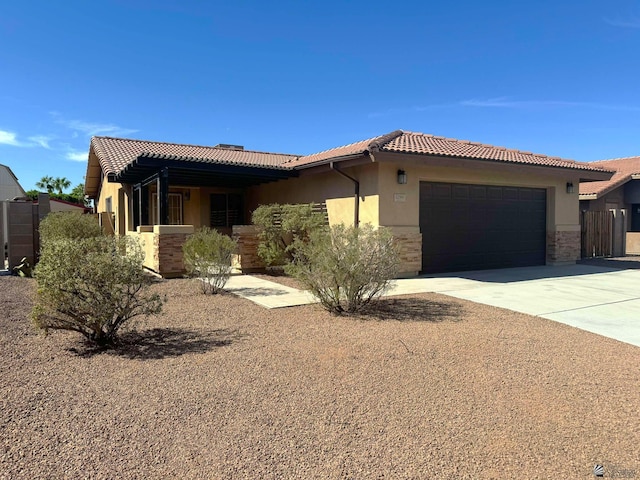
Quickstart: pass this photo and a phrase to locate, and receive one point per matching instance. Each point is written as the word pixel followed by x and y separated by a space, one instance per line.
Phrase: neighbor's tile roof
pixel 625 170
pixel 424 144
pixel 115 154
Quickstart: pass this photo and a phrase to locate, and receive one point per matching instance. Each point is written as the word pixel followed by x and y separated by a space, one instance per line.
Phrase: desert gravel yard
pixel 425 386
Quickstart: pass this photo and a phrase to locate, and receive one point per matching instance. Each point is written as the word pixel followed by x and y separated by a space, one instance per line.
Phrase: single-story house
pixel 10 188
pixel 451 204
pixel 620 195
pixel 57 205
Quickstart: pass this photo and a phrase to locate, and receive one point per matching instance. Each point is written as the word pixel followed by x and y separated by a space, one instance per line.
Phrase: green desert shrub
pixel 283 229
pixel 207 256
pixel 93 286
pixel 345 268
pixel 68 225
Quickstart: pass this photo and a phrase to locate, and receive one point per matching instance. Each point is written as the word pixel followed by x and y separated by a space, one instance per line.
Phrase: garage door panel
pixel 468 227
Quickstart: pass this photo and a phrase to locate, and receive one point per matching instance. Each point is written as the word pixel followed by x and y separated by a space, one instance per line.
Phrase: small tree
pixel 283 228
pixel 207 256
pixel 77 194
pixel 68 226
pixel 93 286
pixel 346 267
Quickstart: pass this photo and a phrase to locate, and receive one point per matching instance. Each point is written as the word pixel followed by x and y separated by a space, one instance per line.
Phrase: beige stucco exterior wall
pixel 195 204
pixel 330 187
pixel 400 204
pixel 403 210
pixel 633 243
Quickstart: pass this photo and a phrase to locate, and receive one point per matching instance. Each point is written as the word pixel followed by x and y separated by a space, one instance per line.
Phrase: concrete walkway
pixel 267 294
pixel 598 299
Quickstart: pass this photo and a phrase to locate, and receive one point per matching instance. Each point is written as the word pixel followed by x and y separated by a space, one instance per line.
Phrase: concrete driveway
pixel 598 299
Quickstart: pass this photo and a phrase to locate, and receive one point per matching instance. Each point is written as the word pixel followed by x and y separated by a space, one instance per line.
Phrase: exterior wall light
pixel 402 177
pixel 569 187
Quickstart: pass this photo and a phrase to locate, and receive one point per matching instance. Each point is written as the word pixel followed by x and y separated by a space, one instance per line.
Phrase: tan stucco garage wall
pixel 329 187
pixel 399 204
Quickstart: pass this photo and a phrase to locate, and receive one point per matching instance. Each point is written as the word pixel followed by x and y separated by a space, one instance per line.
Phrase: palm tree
pixel 46 183
pixel 61 183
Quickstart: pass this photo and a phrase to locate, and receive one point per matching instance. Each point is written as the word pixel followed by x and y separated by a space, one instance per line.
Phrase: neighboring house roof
pixel 117 156
pixel 625 169
pixel 58 205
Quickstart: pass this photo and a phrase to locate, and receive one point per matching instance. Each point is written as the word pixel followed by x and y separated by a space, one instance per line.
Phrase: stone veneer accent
pixel 563 247
pixel 167 249
pixel 246 258
pixel 410 249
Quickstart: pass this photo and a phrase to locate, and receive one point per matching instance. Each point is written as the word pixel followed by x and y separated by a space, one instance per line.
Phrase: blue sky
pixel 559 78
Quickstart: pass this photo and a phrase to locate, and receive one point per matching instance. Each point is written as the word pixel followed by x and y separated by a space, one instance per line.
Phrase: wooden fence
pixel 597 234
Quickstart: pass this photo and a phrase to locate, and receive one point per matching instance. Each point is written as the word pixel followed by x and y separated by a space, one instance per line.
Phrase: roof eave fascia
pixel 355 158
pixel 97 179
pixel 585 175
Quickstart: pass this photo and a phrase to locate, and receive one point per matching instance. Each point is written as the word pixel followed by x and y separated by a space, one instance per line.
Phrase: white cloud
pixel 42 140
pixel 77 156
pixel 404 110
pixel 504 102
pixel 9 138
pixel 91 128
pixel 633 22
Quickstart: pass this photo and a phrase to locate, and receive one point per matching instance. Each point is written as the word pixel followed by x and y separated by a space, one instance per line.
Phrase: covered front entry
pixel 475 227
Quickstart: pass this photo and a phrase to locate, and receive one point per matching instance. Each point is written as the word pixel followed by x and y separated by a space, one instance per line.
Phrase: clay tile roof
pixel 114 154
pixel 357 148
pixel 401 141
pixel 625 170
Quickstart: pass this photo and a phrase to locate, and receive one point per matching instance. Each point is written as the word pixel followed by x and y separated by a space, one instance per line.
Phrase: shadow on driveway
pixel 523 274
pixel 621 263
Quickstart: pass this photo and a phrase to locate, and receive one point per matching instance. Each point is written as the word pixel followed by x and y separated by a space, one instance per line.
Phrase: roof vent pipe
pixel 226 146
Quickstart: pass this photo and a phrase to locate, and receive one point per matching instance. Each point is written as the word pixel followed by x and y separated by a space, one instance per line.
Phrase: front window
pixel 226 210
pixel 175 208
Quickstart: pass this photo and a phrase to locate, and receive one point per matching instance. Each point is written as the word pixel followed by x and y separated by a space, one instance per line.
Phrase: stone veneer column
pixel 563 247
pixel 409 241
pixel 246 257
pixel 167 242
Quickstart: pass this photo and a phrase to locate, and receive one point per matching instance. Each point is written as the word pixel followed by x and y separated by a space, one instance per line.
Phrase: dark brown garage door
pixel 474 227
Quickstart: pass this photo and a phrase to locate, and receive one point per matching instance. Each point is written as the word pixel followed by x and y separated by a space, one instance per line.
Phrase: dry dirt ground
pixel 424 387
